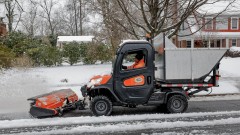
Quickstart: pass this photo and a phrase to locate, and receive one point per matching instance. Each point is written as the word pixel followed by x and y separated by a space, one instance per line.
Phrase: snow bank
pixel 235 49
pixel 123 123
pixel 216 97
pixel 110 128
pixel 230 67
pixel 103 119
pixel 17 85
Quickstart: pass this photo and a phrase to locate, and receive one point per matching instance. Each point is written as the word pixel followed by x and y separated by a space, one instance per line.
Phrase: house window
pixel 205 43
pixel 221 23
pixel 188 44
pixel 234 24
pixel 234 42
pixel 208 23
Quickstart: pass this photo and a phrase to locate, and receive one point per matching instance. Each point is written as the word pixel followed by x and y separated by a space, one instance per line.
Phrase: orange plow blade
pixel 55 103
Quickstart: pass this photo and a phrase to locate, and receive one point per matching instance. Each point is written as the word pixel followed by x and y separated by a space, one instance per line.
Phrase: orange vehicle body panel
pixel 56 99
pixel 105 78
pixel 134 81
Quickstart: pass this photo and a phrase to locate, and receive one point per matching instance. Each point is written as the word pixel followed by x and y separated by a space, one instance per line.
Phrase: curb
pixel 214 95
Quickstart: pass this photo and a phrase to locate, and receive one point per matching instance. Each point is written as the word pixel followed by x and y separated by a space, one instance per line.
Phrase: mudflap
pixel 37 112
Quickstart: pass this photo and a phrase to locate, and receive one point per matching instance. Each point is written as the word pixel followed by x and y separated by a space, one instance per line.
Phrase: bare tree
pixel 29 19
pixel 159 15
pixel 11 6
pixel 78 12
pixel 47 7
pixel 109 12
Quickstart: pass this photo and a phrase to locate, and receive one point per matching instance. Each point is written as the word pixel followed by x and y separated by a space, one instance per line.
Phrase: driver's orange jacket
pixel 138 64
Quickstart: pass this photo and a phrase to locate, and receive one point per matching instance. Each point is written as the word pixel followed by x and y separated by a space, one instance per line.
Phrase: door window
pixel 134 59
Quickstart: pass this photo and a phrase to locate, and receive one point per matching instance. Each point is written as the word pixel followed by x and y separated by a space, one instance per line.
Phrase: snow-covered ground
pixel 17 85
pixel 125 123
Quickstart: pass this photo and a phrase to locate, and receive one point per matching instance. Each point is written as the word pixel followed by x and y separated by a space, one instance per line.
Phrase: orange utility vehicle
pixel 170 76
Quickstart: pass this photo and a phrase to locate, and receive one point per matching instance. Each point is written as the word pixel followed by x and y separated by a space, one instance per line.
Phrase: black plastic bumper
pixel 41 112
pixel 84 90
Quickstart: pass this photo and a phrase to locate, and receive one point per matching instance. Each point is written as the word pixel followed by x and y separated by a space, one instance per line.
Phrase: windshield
pixel 115 58
pixel 113 62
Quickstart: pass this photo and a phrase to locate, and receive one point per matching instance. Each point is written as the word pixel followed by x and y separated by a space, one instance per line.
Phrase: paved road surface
pixel 194 106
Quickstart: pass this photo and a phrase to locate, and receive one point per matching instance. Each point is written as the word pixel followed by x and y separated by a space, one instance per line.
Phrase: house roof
pixel 225 7
pixel 217 35
pixel 75 38
pixel 213 35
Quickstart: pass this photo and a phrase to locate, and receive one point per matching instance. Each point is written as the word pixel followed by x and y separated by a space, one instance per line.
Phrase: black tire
pixel 132 106
pixel 162 108
pixel 177 104
pixel 101 105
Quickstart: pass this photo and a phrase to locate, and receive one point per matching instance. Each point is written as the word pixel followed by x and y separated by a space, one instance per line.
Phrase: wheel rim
pixel 177 104
pixel 101 106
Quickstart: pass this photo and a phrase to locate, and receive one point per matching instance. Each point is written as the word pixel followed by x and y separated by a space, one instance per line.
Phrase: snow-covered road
pixel 17 85
pixel 136 124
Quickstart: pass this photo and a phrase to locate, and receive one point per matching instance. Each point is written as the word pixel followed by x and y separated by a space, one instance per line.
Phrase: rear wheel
pixel 177 104
pixel 101 105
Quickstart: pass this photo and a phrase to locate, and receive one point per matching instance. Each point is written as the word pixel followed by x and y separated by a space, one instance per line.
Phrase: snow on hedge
pixel 235 49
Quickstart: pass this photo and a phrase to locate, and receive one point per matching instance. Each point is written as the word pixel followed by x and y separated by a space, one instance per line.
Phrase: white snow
pixel 17 85
pixel 110 119
pixel 220 6
pixel 75 38
pixel 230 67
pixel 122 123
pixel 140 126
pixel 235 49
pixel 216 97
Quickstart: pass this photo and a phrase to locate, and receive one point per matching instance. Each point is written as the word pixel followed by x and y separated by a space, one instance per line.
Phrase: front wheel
pixel 177 104
pixel 101 105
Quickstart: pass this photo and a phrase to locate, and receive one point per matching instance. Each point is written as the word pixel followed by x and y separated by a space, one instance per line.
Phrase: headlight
pixel 96 81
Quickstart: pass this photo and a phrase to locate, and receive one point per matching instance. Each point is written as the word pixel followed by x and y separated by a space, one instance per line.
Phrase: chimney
pixel 3 28
pixel 175 18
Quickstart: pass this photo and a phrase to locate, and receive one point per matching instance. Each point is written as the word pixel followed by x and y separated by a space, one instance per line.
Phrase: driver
pixel 139 62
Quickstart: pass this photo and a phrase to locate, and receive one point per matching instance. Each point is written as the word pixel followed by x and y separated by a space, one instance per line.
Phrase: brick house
pixel 211 30
pixel 3 29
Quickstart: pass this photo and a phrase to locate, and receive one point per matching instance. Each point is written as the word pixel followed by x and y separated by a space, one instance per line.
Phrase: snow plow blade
pixel 37 112
pixel 55 103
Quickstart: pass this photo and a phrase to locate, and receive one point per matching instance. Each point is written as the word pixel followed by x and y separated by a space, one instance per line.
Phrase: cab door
pixel 134 85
